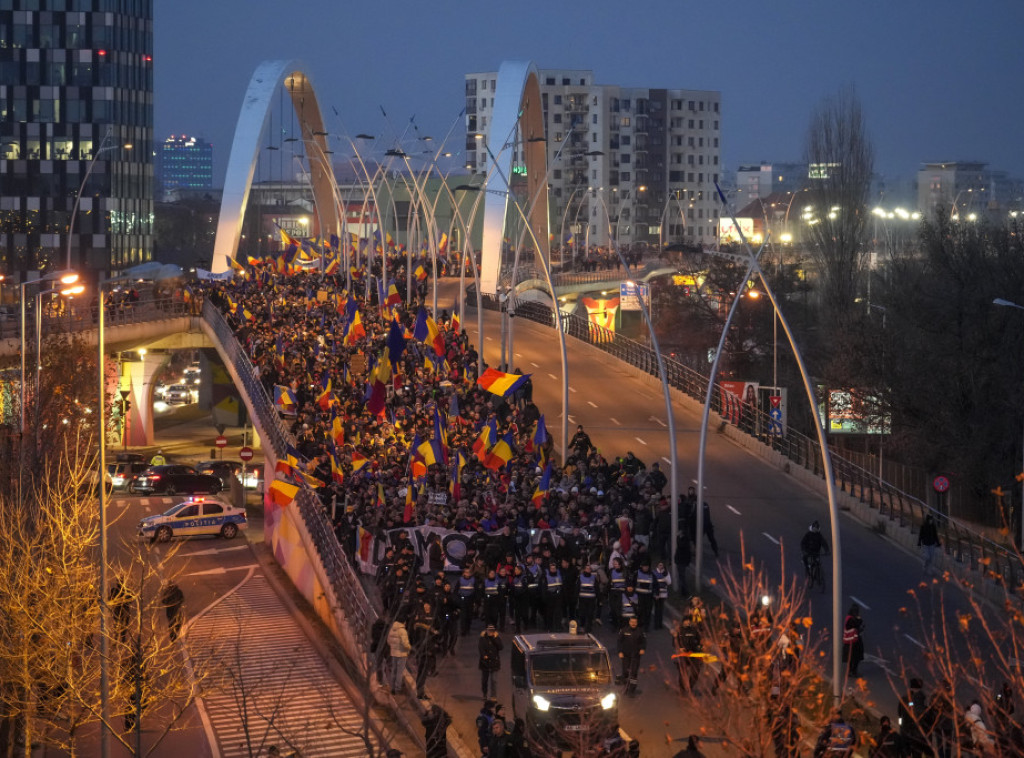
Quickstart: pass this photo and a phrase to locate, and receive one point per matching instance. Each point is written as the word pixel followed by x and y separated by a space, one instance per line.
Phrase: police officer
pixel 587 598
pixel 551 591
pixel 617 584
pixel 448 619
pixel 467 590
pixel 519 590
pixel 630 605
pixel 570 587
pixel 646 588
pixel 632 644
pixel 533 590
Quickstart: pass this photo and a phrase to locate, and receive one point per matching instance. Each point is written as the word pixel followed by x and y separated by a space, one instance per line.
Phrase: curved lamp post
pixel 1010 304
pixel 104 147
pixel 754 267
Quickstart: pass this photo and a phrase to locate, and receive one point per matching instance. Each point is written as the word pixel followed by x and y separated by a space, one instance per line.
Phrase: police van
pixel 194 517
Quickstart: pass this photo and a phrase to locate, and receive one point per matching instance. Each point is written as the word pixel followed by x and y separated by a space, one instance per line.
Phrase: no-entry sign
pixel 221 441
pixel 245 454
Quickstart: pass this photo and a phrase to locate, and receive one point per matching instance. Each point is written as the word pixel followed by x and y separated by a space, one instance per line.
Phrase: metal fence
pixel 345 584
pixel 961 542
pixel 79 318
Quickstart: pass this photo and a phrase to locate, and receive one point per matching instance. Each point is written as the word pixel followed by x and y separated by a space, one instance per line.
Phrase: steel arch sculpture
pixel 517 105
pixel 245 152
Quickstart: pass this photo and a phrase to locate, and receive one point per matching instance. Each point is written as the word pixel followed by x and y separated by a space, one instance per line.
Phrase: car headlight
pixel 541 703
pixel 608 701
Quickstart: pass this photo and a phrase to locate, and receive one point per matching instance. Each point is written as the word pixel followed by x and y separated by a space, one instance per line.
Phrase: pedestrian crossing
pixel 269 685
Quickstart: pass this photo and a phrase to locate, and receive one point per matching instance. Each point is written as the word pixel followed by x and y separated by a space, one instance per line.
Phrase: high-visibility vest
pixel 644 583
pixel 588 586
pixel 554 582
pixel 492 587
pixel 663 581
pixel 629 605
pixel 618 580
pixel 467 586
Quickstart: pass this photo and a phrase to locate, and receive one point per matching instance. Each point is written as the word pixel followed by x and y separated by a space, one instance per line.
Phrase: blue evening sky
pixel 938 80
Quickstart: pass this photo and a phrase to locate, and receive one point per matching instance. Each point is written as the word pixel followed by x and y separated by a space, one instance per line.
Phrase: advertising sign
pixel 851 411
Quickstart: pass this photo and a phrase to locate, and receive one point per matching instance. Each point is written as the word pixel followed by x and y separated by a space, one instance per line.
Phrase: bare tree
pixel 49 646
pixel 752 665
pixel 841 160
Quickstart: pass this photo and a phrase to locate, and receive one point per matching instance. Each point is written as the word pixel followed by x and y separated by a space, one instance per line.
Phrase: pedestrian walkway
pixel 271 686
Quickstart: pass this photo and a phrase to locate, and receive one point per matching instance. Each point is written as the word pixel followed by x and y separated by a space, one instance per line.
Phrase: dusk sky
pixel 938 80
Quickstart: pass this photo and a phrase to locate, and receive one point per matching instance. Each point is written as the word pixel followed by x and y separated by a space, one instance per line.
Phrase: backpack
pixel 841 737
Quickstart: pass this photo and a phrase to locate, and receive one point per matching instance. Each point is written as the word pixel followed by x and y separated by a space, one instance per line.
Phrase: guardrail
pixel 960 541
pixel 80 318
pixel 345 585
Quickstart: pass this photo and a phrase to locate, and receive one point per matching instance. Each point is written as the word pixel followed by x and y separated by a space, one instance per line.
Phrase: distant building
pixel 183 163
pixel 76 88
pixel 639 161
pixel 760 180
pixel 966 188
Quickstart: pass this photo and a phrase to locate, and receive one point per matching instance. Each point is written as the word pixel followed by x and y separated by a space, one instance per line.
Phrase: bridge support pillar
pixel 137 378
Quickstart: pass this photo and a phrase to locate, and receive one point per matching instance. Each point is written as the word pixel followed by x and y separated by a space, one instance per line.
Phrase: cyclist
pixel 813 545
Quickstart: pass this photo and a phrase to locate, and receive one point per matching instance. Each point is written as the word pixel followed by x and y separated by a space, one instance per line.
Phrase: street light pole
pixel 81 188
pixel 101 433
pixel 1010 304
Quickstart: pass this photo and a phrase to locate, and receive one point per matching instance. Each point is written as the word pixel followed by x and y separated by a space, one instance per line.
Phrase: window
pixel 593 119
pixel 566 82
pixel 626 104
pixel 558 99
pixel 700 142
pixel 558 173
pixel 624 176
pixel 625 121
pixel 701 105
pixel 716 122
pixel 212 509
pixel 625 158
pixel 626 140
pixel 483 85
pixel 593 174
pixel 557 118
pixel 550 81
pixel 689 141
pixel 716 142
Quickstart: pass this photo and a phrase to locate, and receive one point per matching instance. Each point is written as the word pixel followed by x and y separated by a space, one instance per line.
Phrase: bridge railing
pixel 961 542
pixel 79 318
pixel 345 584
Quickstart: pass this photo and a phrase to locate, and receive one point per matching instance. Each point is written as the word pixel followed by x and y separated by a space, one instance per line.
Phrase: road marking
pixel 534 364
pixel 571 388
pixel 655 418
pixel 552 376
pixel 770 537
pixel 489 339
pixel 220 570
pixel 519 355
pixel 913 640
pixel 733 509
pixel 591 404
pixel 860 602
pixel 571 420
pixel 666 460
pixel 640 440
pixel 614 421
pixel 215 551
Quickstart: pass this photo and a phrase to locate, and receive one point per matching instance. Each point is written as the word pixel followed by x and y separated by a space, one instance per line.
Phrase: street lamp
pixel 81 188
pixel 1010 304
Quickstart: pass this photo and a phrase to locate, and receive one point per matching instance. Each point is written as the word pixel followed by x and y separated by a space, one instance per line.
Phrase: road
pixel 750 500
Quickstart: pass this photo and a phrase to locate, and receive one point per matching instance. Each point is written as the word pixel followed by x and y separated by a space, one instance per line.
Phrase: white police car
pixel 195 516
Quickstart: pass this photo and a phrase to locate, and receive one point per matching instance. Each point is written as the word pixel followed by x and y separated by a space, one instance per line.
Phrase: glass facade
pixel 184 163
pixel 76 90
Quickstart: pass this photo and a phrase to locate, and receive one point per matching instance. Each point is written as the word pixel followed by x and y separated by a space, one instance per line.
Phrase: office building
pixel 634 163
pixel 183 163
pixel 76 90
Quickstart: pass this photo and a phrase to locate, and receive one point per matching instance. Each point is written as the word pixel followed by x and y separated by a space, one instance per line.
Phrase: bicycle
pixel 812 564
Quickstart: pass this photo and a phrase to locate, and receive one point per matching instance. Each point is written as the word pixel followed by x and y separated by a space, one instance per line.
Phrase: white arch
pixel 517 103
pixel 245 150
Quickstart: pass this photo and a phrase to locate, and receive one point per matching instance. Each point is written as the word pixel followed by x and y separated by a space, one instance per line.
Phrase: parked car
pixel 174 478
pixel 224 470
pixel 119 474
pixel 178 394
pixel 196 516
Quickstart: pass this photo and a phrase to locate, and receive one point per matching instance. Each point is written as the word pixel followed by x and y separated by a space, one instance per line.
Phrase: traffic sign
pixel 940 483
pixel 630 294
pixel 221 441
pixel 245 454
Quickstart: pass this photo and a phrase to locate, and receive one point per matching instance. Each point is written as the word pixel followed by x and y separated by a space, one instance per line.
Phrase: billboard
pixel 853 411
pixel 727 230
pixel 601 314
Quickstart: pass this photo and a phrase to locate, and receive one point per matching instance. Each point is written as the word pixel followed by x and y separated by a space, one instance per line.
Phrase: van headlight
pixel 608 701
pixel 541 703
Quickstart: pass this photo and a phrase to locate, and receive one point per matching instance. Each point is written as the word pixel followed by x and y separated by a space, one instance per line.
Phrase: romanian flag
pixel 625 538
pixel 427 332
pixel 324 399
pixel 395 342
pixel 500 454
pixel 410 502
pixel 358 461
pixel 455 323
pixel 393 297
pixel 235 265
pixel 542 487
pixel 440 434
pixel 337 474
pixel 540 436
pixel 287 240
pixel 283 493
pixel 284 399
pixel 420 273
pixel 380 495
pixel 337 430
pixel 442 244
pixel 455 485
pixel 428 452
pixel 356 330
pixel 501 384
pixel 364 544
pixel 379 378
pixel 332 266
pixel 484 440
pixel 311 480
